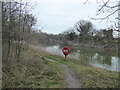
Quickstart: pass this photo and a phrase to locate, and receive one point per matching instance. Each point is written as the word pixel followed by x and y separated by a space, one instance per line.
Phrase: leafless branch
pixel 106 16
pixel 85 1
pixel 111 7
pixel 105 3
pixel 42 28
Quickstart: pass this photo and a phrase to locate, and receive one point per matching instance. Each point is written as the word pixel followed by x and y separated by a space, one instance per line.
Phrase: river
pixel 105 59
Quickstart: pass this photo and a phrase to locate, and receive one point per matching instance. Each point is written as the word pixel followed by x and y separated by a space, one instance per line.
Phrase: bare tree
pixel 84 28
pixel 108 8
pixel 17 23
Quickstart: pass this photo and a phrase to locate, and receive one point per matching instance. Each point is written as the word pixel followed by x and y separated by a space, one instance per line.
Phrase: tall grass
pixel 31 71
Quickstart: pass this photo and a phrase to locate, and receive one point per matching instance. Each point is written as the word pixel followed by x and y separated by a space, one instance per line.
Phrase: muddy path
pixel 72 80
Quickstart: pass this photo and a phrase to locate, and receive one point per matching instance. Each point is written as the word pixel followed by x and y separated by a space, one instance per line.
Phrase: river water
pixel 105 59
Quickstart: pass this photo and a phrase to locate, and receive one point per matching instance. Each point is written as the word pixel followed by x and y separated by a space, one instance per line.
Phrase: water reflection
pixel 114 66
pixel 55 50
pixel 97 58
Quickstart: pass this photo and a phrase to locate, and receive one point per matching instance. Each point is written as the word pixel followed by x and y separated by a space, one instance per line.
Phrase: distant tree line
pixel 38 37
pixel 83 33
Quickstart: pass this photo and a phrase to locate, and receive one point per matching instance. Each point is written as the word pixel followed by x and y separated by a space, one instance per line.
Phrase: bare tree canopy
pixel 17 22
pixel 108 8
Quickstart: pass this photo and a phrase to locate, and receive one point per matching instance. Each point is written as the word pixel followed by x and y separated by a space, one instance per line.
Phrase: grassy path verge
pixel 91 76
pixel 71 78
pixel 32 70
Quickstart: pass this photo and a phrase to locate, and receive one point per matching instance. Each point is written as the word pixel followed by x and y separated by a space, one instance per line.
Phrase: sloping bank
pixel 90 76
pixel 33 71
pixel 70 76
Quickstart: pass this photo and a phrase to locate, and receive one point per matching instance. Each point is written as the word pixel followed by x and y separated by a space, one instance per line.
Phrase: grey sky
pixel 59 15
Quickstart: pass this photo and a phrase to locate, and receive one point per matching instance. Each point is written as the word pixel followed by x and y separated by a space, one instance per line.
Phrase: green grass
pixel 34 71
pixel 90 76
pixel 95 77
pixel 55 75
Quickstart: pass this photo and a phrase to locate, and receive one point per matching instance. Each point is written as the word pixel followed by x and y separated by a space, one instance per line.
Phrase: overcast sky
pixel 57 16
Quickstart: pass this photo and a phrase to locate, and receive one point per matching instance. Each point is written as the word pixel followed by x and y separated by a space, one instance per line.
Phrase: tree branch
pixel 85 1
pixel 105 3
pixel 106 16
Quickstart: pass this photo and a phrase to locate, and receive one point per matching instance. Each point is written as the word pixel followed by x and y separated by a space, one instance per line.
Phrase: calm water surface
pixel 99 58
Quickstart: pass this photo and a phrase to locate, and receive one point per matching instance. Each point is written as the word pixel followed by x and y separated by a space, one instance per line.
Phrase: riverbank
pixel 113 46
pixel 34 71
pixel 89 76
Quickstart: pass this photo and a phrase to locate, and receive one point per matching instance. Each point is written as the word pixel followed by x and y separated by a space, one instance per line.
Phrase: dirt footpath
pixel 71 78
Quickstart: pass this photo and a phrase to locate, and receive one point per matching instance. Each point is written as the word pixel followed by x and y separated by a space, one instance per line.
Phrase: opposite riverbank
pixel 114 46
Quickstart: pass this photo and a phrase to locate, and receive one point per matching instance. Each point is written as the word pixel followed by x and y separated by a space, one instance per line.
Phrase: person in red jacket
pixel 65 51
